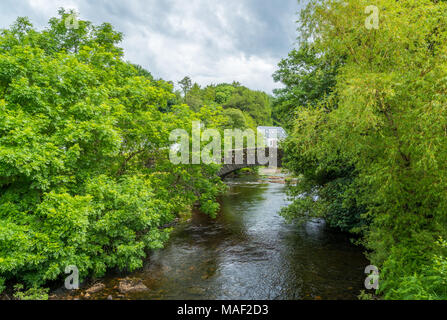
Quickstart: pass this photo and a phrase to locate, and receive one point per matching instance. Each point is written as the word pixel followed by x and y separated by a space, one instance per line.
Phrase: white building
pixel 273 135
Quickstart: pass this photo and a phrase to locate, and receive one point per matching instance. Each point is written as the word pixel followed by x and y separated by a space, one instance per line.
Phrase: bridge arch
pixel 232 166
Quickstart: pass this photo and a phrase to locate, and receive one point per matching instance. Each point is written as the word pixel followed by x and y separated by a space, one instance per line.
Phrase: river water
pixel 250 252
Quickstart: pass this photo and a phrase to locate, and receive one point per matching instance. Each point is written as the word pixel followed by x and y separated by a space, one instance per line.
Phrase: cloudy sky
pixel 211 41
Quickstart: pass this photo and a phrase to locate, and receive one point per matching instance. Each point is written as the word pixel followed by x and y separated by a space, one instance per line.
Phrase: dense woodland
pixel 85 177
pixel 246 108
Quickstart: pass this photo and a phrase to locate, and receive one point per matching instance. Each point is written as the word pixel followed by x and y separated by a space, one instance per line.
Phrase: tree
pixel 256 104
pixel 186 85
pixel 143 72
pixel 384 118
pixel 308 76
pixel 85 177
pixel 194 97
pixel 236 118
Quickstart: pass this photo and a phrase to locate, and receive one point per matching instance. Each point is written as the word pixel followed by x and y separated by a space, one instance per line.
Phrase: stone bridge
pixel 253 157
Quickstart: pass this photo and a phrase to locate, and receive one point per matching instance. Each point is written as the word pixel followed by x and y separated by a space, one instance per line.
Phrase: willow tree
pixel 386 116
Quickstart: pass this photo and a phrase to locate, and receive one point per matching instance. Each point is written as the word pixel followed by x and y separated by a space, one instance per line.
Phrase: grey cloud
pixel 209 40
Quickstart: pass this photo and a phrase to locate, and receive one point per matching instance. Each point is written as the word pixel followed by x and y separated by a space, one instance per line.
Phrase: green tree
pixel 236 118
pixel 194 97
pixel 308 76
pixel 143 72
pixel 186 85
pixel 85 177
pixel 385 117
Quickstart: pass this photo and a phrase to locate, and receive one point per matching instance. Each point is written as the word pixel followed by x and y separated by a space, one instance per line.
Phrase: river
pixel 250 252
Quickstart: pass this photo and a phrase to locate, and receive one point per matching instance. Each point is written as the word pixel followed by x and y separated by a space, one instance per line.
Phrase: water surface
pixel 250 252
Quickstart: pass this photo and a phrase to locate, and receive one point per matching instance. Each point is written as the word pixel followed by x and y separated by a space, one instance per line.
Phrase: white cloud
pixel 45 9
pixel 209 40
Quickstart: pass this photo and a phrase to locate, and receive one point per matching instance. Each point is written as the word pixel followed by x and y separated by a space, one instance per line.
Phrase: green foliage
pixel 309 76
pixel 256 104
pixel 85 178
pixel 2 285
pixel 370 140
pixel 141 72
pixel 365 296
pixel 185 84
pixel 428 283
pixel 31 294
pixel 249 171
pixel 244 107
pixel 236 118
pixel 327 186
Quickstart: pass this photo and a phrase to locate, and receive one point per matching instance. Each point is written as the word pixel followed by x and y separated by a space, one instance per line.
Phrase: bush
pixel 430 283
pixel 30 294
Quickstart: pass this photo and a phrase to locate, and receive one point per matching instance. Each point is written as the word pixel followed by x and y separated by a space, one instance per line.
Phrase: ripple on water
pixel 249 252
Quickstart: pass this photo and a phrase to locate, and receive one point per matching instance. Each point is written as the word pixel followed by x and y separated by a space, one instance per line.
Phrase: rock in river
pixel 96 288
pixel 132 286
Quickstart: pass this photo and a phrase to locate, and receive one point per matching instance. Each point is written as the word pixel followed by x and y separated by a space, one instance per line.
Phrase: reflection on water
pixel 249 252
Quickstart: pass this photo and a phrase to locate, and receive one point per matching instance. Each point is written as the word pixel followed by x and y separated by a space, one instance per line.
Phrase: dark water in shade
pixel 249 252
